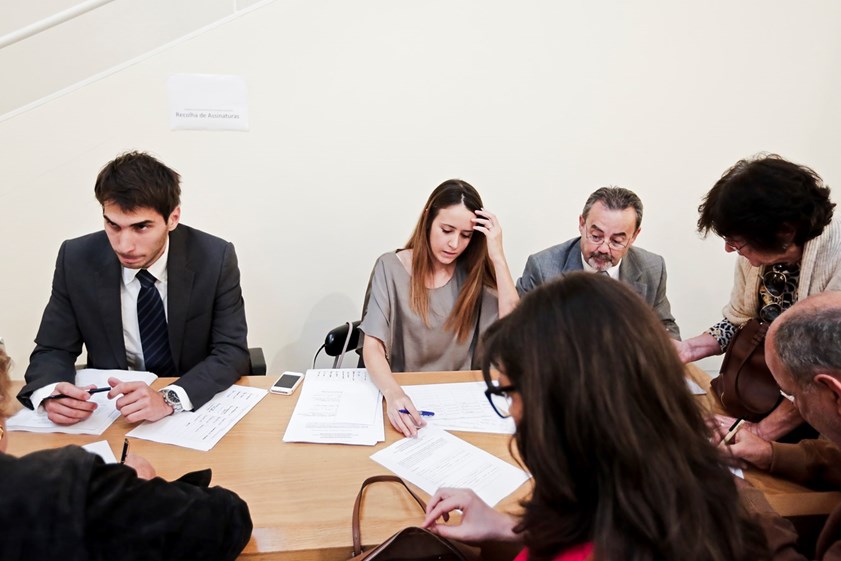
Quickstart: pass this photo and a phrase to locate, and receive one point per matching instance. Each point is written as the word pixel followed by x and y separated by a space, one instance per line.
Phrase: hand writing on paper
pixel 71 409
pixel 139 401
pixel 406 423
pixel 752 449
pixel 479 522
pixel 141 465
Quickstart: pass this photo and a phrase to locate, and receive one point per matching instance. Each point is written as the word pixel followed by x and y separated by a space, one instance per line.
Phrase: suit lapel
pixel 573 258
pixel 108 284
pixel 630 272
pixel 179 291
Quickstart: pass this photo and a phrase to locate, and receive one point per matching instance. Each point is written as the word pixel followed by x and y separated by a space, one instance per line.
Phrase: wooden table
pixel 300 495
pixel 787 498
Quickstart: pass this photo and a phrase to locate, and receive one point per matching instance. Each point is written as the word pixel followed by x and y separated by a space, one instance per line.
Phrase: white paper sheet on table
pixel 203 428
pixel 694 387
pixel 436 458
pixel 337 406
pixel 459 406
pixel 102 417
pixel 102 449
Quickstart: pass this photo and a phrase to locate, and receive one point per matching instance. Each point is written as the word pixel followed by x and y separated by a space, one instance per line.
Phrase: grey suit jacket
pixel 644 271
pixel 205 314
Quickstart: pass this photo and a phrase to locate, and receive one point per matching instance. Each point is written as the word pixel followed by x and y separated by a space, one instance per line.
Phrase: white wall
pixel 359 109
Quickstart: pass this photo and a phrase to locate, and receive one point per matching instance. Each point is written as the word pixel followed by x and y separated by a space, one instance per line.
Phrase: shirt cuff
pixel 182 396
pixel 38 395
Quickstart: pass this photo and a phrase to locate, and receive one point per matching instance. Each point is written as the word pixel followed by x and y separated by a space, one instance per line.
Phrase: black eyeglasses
pixel 498 396
pixel 780 290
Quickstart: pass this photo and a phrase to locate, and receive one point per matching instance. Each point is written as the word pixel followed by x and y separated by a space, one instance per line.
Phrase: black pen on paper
pixel 91 391
pixel 125 451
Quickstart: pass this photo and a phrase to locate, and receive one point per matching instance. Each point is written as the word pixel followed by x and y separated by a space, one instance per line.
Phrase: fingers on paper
pixel 68 410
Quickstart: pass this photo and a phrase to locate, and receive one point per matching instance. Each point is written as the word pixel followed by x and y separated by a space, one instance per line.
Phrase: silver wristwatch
pixel 171 398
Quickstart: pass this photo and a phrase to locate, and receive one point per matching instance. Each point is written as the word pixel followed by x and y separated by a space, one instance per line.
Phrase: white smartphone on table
pixel 287 383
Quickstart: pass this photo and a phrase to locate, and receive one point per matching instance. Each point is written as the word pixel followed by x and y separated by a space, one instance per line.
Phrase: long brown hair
pixel 480 272
pixel 618 449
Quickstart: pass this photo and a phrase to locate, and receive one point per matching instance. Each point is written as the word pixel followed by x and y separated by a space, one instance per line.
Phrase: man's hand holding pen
pixel 69 404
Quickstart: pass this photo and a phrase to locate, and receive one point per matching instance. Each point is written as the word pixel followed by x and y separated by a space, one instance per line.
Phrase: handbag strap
pixel 357 534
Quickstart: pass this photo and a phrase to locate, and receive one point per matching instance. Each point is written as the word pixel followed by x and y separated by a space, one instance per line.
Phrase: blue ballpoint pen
pixel 422 413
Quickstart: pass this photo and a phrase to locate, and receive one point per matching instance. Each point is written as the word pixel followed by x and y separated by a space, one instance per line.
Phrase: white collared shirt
pixel 613 271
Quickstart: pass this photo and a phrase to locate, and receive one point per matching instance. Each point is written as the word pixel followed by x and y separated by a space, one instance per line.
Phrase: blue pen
pixel 422 413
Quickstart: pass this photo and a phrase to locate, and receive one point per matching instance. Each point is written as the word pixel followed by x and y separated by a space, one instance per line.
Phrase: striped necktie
pixel 154 335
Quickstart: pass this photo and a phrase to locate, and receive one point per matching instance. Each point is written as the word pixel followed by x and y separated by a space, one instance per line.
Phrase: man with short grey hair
pixel 609 225
pixel 803 352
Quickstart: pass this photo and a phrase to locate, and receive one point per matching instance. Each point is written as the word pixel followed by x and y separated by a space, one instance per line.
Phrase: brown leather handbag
pixel 409 544
pixel 744 385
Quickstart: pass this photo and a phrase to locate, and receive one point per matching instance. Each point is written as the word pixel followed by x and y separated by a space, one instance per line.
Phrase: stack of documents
pixel 341 406
pixel 102 417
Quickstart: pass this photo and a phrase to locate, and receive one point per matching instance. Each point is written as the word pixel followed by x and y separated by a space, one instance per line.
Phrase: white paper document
pixel 460 406
pixel 341 406
pixel 102 417
pixel 203 428
pixel 436 458
pixel 207 102
pixel 102 449
pixel 694 387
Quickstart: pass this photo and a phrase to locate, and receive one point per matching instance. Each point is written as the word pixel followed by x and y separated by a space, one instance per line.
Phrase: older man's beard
pixel 601 261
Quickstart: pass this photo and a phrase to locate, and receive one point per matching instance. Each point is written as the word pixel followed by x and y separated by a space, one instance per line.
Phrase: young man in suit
pixel 147 293
pixel 609 225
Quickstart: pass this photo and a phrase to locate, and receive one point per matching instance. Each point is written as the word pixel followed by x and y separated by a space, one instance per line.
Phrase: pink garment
pixel 580 552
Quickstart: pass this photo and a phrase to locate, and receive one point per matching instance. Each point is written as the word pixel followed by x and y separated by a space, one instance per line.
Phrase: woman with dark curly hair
pixel 622 465
pixel 778 217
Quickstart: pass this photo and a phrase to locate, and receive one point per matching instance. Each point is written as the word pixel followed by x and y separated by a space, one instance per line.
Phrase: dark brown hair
pixel 764 200
pixel 137 180
pixel 480 272
pixel 618 449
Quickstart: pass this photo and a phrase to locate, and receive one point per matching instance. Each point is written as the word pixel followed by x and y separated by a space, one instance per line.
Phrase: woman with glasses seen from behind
pixel 428 303
pixel 623 468
pixel 777 216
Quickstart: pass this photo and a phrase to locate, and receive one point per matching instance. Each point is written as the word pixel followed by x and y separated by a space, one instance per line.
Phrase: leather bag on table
pixel 745 385
pixel 409 544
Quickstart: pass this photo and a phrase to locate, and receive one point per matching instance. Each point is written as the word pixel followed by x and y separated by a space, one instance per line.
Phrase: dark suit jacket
pixel 644 271
pixel 66 504
pixel 205 315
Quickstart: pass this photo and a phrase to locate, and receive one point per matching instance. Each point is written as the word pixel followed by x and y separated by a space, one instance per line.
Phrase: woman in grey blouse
pixel 428 302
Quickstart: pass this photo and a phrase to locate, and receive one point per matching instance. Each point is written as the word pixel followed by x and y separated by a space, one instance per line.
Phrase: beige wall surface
pixel 359 109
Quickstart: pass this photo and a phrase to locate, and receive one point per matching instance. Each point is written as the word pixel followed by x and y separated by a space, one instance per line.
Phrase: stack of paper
pixel 102 417
pixel 436 458
pixel 460 406
pixel 340 406
pixel 204 427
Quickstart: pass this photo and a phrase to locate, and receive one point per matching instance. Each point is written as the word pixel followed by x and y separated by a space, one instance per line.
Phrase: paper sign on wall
pixel 207 102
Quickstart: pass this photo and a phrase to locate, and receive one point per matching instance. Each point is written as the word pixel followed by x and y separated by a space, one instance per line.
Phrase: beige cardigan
pixel 820 271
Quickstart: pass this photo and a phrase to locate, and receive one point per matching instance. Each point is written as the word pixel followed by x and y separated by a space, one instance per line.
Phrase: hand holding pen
pixel 731 432
pixel 70 404
pixel 90 391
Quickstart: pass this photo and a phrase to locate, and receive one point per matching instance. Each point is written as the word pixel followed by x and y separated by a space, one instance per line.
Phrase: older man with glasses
pixel 609 225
